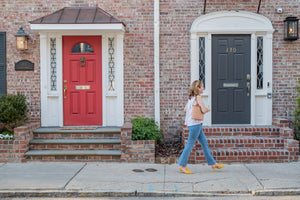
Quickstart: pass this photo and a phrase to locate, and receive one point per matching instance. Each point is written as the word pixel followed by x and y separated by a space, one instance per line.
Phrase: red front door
pixel 82 82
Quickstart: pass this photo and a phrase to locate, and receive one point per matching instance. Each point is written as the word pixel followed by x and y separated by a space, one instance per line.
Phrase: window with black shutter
pixel 2 63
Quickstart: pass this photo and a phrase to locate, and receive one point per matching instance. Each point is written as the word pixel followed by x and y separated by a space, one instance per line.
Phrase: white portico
pixel 78 22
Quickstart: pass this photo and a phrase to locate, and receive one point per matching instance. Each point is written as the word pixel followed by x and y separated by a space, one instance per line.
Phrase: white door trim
pixel 237 22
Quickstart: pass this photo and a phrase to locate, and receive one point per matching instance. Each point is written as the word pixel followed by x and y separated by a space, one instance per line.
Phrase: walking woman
pixel 195 130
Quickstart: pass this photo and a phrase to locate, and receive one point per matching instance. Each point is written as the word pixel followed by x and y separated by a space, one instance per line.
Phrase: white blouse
pixel 188 120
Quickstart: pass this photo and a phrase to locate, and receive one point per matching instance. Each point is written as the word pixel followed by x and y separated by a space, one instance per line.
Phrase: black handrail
pixel 291 120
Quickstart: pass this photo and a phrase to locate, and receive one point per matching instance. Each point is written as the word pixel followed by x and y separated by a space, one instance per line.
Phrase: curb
pixel 279 192
pixel 86 194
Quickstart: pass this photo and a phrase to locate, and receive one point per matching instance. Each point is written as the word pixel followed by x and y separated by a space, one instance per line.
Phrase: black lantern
pixel 291 30
pixel 21 39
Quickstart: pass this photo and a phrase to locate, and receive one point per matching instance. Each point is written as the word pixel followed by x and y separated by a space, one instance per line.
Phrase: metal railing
pixel 291 120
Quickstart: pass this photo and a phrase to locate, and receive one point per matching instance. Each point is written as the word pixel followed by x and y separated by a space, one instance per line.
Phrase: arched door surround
pixel 231 23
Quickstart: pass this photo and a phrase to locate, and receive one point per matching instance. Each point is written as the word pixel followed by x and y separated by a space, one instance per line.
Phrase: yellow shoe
pixel 218 166
pixel 186 171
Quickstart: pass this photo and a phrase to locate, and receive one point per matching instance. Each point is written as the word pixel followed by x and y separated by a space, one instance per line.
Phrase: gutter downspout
pixel 156 62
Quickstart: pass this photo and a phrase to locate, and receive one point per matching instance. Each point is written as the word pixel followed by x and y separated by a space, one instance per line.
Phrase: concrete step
pixel 74 155
pixel 76 141
pixel 242 155
pixel 59 133
pixel 75 144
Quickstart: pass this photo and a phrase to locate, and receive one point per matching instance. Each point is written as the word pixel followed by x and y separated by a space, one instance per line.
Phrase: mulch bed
pixel 168 152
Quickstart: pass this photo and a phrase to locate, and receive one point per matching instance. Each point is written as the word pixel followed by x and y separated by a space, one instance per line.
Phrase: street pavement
pixel 97 179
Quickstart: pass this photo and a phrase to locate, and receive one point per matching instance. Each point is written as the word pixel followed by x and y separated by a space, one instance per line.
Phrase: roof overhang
pixel 78 18
pixel 67 27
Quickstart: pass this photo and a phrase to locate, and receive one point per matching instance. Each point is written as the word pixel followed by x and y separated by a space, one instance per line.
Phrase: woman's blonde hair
pixel 193 90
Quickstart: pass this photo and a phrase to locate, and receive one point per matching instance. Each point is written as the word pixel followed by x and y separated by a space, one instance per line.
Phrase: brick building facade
pixel 139 95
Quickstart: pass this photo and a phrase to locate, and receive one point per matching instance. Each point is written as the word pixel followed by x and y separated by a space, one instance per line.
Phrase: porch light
pixel 291 29
pixel 21 39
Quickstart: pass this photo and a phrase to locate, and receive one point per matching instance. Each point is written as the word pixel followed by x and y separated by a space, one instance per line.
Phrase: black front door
pixel 2 63
pixel 231 79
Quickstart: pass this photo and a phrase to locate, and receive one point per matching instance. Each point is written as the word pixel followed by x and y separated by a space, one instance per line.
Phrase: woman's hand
pixel 204 109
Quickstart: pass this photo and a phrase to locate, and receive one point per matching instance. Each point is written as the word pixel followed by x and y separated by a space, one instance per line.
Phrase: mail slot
pixel 82 87
pixel 226 85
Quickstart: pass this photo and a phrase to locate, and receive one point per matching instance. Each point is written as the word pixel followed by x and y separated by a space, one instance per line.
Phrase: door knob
pixel 65 89
pixel 248 77
pixel 248 88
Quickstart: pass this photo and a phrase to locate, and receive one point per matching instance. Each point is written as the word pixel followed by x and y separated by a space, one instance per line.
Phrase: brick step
pixel 75 144
pixel 243 155
pixel 237 142
pixel 257 131
pixel 246 143
pixel 58 133
pixel 74 155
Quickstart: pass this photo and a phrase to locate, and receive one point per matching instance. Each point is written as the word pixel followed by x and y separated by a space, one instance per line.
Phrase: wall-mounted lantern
pixel 21 39
pixel 291 29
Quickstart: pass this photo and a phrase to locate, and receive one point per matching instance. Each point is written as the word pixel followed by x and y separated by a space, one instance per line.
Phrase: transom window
pixel 82 48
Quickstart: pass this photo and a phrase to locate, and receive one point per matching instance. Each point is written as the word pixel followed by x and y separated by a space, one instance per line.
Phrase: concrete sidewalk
pixel 73 179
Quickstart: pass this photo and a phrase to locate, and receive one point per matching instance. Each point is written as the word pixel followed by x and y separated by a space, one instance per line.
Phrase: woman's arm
pixel 204 109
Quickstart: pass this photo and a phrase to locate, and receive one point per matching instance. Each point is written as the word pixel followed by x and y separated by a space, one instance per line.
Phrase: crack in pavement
pixel 85 164
pixel 261 184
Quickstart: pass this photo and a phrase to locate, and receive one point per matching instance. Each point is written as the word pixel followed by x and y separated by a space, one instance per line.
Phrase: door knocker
pixel 82 61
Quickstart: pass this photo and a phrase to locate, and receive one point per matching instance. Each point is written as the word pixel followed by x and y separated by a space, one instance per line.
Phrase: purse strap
pixel 194 100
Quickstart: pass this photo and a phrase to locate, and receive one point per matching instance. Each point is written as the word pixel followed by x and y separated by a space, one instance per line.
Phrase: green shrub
pixel 13 110
pixel 145 129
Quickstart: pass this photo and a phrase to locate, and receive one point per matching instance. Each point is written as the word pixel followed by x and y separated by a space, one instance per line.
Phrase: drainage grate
pixel 151 170
pixel 148 170
pixel 138 170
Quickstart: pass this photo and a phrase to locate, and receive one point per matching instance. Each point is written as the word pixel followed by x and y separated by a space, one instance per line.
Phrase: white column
pixel 194 57
pixel 253 43
pixel 208 78
pixel 119 77
pixel 105 82
pixel 268 75
pixel 156 62
pixel 43 77
pixel 59 77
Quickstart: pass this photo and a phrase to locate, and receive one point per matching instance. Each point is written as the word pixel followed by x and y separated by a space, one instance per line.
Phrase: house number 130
pixel 231 50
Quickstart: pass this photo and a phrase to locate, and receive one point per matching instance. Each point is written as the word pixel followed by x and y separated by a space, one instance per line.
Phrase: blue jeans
pixel 195 133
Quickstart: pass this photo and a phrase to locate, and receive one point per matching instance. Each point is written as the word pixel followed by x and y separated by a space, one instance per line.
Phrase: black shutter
pixel 2 63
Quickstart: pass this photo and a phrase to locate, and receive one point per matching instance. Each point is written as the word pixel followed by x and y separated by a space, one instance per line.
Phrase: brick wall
pixel 138 49
pixel 136 150
pixel 176 18
pixel 290 144
pixel 14 150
